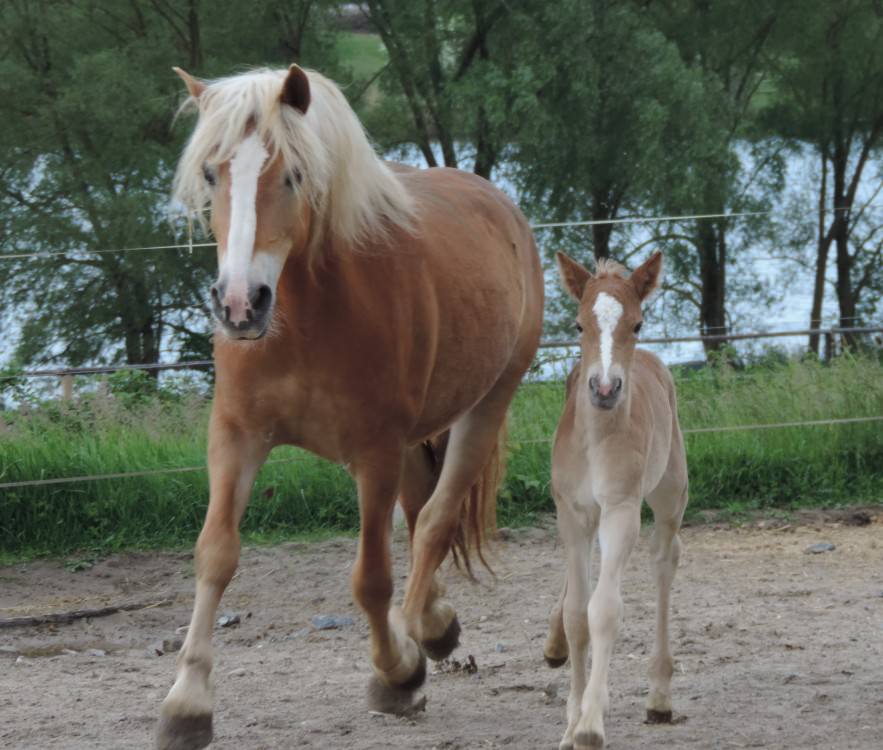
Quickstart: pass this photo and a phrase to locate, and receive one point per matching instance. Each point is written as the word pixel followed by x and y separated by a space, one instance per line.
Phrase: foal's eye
pixel 209 175
pixel 638 327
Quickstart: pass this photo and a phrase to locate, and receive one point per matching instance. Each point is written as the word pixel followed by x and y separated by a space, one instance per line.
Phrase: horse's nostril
pixel 216 295
pixel 227 313
pixel 593 383
pixel 617 385
pixel 262 299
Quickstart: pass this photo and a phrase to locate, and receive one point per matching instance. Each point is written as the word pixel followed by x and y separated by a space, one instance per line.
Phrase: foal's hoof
pixel 555 661
pixel 588 741
pixel 441 648
pixel 184 732
pixel 658 717
pixel 398 699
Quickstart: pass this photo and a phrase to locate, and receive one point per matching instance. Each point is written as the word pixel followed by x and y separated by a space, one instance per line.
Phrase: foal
pixel 618 442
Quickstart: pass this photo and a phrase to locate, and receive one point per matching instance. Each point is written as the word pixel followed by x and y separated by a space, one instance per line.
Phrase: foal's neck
pixel 597 424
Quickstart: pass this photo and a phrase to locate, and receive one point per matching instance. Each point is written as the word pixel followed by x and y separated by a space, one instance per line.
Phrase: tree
pixel 86 107
pixel 616 111
pixel 831 80
pixel 726 42
pixel 452 78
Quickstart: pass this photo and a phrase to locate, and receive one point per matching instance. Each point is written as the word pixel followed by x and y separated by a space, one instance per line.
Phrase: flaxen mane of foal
pixel 618 442
pixel 379 316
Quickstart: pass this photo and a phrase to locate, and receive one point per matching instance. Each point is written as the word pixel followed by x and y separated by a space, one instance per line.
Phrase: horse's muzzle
pixel 242 316
pixel 604 396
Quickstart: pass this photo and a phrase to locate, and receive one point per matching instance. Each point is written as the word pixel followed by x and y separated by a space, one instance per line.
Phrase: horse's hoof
pixel 441 648
pixel 555 661
pixel 588 741
pixel 184 732
pixel 398 699
pixel 658 717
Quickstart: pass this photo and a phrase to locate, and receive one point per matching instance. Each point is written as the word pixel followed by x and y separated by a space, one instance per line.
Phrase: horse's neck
pixel 597 425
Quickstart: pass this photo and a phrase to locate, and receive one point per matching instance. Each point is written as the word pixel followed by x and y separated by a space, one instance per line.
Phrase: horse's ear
pixel 296 89
pixel 573 275
pixel 194 86
pixel 647 276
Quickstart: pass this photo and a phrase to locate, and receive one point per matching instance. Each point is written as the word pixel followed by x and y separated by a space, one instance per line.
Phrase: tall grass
pixel 137 428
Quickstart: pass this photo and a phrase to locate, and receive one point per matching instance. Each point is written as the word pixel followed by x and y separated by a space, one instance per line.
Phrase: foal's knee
pixel 605 611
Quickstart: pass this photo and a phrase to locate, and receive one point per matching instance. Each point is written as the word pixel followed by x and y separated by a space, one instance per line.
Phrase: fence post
pixel 829 346
pixel 67 387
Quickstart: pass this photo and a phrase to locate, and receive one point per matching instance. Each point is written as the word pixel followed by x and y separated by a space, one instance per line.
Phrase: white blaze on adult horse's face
pixel 610 319
pixel 249 167
pixel 243 295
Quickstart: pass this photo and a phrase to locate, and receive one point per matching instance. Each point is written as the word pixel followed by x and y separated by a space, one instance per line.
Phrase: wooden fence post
pixel 67 387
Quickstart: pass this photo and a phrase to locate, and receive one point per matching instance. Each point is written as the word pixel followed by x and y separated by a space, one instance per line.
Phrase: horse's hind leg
pixel 233 459
pixel 473 439
pixel 665 551
pixel 439 625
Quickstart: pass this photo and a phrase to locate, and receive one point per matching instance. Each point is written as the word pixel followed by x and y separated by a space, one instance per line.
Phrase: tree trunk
pixel 823 244
pixel 712 276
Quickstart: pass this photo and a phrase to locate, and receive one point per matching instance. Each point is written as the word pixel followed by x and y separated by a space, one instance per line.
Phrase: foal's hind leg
pixel 665 551
pixel 233 459
pixel 439 624
pixel 555 651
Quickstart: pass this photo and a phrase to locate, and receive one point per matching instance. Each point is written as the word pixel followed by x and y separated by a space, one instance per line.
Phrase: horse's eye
pixel 638 327
pixel 292 179
pixel 579 328
pixel 209 175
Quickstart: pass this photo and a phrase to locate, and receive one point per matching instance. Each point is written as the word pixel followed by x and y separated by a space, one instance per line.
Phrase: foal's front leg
pixel 234 458
pixel 619 529
pixel 399 664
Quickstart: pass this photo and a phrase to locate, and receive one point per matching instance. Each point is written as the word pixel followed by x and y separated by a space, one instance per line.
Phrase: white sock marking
pixel 607 310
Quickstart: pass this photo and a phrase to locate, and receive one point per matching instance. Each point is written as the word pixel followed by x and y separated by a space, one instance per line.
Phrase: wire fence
pixel 825 334
pixel 532 441
pixel 190 245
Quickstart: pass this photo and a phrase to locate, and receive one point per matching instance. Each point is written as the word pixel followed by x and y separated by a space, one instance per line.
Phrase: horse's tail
pixel 478 517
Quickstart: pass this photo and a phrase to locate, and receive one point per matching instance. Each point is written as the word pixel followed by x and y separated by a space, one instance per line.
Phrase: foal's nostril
pixel 617 385
pixel 263 296
pixel 593 384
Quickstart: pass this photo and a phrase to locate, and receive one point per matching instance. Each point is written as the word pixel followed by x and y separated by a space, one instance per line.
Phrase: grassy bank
pixel 135 429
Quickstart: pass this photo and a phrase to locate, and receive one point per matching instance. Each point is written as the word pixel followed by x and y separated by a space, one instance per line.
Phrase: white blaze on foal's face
pixel 608 311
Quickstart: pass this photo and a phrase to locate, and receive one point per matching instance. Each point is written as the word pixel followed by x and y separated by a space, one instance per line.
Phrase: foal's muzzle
pixel 242 316
pixel 604 396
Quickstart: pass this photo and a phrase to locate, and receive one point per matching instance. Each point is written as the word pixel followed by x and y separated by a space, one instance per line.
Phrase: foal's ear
pixel 296 89
pixel 647 276
pixel 195 87
pixel 573 275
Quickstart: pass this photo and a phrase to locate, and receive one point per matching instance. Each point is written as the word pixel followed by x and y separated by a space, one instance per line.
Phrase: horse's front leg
pixel 399 664
pixel 620 526
pixel 234 458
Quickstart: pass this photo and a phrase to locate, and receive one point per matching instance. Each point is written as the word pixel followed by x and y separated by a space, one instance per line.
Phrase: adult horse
pixel 369 313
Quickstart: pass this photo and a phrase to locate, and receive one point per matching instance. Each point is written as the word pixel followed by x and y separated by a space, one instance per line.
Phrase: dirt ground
pixel 774 648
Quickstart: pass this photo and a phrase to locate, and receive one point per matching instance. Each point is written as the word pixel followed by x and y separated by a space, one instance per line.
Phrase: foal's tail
pixel 478 518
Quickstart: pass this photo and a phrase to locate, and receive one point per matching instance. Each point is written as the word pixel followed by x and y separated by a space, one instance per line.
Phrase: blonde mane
pixel 605 267
pixel 353 194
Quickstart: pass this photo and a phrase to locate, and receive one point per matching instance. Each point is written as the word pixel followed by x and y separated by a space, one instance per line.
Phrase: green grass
pixel 139 429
